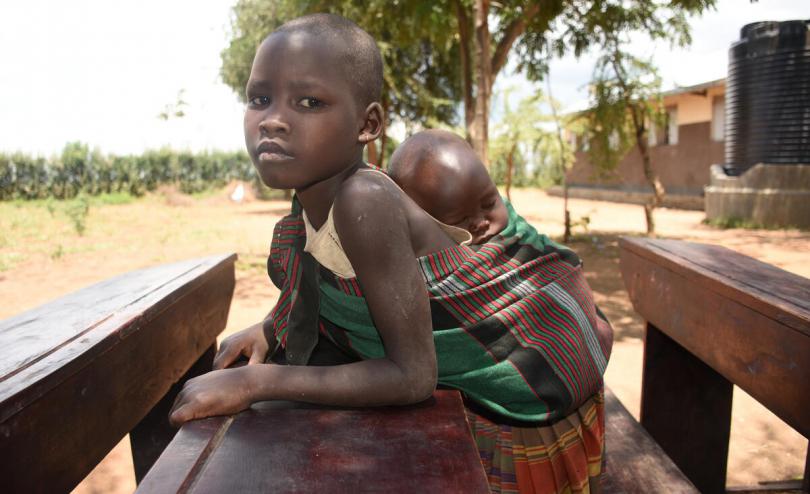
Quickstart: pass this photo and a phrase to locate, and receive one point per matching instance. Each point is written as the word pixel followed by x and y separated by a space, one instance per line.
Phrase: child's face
pixel 466 196
pixel 302 119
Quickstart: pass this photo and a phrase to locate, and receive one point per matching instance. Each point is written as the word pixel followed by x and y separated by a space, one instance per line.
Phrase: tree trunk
pixel 509 167
pixel 480 127
pixel 383 139
pixel 371 152
pixel 652 179
pixel 640 131
pixel 463 21
pixel 563 164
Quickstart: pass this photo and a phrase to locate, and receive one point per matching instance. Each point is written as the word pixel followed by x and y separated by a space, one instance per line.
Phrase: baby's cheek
pixel 501 217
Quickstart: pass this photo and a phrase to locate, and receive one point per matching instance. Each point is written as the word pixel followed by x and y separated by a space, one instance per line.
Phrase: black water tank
pixel 768 95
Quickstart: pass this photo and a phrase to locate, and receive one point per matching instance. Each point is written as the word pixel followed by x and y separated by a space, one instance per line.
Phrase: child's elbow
pixel 419 388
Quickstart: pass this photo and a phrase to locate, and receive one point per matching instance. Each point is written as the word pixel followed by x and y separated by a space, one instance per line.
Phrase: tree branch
pixel 511 33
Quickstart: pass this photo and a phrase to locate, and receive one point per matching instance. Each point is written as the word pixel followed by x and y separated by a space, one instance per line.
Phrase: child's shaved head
pixel 360 57
pixel 442 174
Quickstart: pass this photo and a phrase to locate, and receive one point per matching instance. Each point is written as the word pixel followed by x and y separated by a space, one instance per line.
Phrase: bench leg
pixel 153 433
pixel 686 407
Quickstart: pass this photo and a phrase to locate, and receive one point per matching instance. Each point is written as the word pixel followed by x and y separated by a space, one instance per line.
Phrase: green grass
pixel 732 222
pixel 113 198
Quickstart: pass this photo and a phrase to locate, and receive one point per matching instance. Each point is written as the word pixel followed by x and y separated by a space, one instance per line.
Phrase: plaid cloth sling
pixel 514 322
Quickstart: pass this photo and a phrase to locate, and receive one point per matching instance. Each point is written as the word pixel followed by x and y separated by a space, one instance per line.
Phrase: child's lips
pixel 270 151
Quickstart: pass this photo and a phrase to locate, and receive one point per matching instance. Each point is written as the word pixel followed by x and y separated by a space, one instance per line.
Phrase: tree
pixel 627 104
pixel 447 51
pixel 565 158
pixel 519 134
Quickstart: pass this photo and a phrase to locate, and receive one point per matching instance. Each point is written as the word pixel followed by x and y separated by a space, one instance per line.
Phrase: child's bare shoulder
pixel 368 205
pixel 372 209
pixel 365 192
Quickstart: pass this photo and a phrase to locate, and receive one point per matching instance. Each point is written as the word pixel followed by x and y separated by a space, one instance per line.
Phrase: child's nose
pixel 274 122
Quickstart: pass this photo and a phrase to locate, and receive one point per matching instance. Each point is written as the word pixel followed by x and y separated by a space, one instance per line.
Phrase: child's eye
pixel 310 102
pixel 489 204
pixel 259 101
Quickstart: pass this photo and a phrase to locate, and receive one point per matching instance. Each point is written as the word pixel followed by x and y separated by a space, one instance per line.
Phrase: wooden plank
pixel 760 347
pixel 772 291
pixel 686 408
pixel 634 462
pixel 90 365
pixel 153 433
pixel 286 447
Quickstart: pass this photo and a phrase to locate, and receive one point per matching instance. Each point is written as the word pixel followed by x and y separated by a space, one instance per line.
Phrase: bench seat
pixel 79 373
pixel 634 462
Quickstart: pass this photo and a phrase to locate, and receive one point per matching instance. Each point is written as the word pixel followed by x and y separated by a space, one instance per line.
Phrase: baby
pixel 442 174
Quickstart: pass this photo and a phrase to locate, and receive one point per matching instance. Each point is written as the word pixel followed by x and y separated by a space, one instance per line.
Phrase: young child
pixel 440 171
pixel 366 273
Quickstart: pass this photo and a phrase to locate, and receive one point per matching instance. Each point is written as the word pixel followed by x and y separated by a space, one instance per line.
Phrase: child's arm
pixel 370 218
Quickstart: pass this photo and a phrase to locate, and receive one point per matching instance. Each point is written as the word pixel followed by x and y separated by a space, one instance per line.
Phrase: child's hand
pixel 249 342
pixel 219 392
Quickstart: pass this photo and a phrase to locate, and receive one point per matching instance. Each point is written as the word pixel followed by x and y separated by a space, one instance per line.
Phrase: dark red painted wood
pixel 78 373
pixel 285 447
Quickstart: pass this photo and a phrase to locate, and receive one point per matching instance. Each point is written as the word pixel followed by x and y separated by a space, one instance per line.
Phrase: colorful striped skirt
pixel 565 457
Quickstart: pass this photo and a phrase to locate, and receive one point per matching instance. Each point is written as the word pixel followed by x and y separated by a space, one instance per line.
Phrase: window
pixel 719 118
pixel 672 126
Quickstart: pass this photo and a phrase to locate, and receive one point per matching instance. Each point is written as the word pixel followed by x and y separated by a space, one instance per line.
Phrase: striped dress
pixel 515 330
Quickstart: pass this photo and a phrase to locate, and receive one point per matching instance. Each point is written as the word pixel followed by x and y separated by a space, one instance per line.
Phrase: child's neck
pixel 317 199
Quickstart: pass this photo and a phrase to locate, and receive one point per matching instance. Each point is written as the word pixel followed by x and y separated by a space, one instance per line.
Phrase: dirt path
pixel 41 258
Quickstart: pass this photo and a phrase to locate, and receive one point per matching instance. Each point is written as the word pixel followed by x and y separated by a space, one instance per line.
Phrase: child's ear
pixel 372 125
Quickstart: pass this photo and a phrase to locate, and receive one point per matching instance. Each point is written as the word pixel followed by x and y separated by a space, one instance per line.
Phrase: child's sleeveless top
pixel 514 322
pixel 324 243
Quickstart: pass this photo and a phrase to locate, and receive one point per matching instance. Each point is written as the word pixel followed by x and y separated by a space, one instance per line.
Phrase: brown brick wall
pixel 683 168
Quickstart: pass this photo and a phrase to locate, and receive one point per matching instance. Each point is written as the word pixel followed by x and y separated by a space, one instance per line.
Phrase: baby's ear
pixel 373 124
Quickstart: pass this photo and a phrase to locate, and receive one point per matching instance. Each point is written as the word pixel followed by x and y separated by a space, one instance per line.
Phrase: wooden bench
pixel 634 462
pixel 291 447
pixel 715 318
pixel 284 447
pixel 79 373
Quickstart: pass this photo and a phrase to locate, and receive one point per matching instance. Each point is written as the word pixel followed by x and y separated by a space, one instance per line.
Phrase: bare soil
pixel 42 257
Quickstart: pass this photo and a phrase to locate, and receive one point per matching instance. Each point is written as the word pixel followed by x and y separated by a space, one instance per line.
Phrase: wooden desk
pixel 715 318
pixel 283 447
pixel 77 374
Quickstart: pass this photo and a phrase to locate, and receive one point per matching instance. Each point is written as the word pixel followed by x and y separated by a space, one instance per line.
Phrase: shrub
pixel 80 170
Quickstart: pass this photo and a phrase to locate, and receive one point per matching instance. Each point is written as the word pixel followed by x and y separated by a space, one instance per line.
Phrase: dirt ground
pixel 42 257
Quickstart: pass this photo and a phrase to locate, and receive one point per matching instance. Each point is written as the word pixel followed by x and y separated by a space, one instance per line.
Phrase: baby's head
pixel 440 172
pixel 313 100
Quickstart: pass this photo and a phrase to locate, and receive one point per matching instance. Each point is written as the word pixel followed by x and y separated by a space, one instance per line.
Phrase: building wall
pixel 683 168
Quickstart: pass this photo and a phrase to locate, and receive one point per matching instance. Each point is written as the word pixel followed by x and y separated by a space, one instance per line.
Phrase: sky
pixel 101 71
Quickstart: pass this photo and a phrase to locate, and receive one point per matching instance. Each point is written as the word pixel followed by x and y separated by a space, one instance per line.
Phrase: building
pixel 682 151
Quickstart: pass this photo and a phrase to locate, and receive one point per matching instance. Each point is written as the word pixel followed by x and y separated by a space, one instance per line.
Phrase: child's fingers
pixel 180 416
pixel 226 356
pixel 256 356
